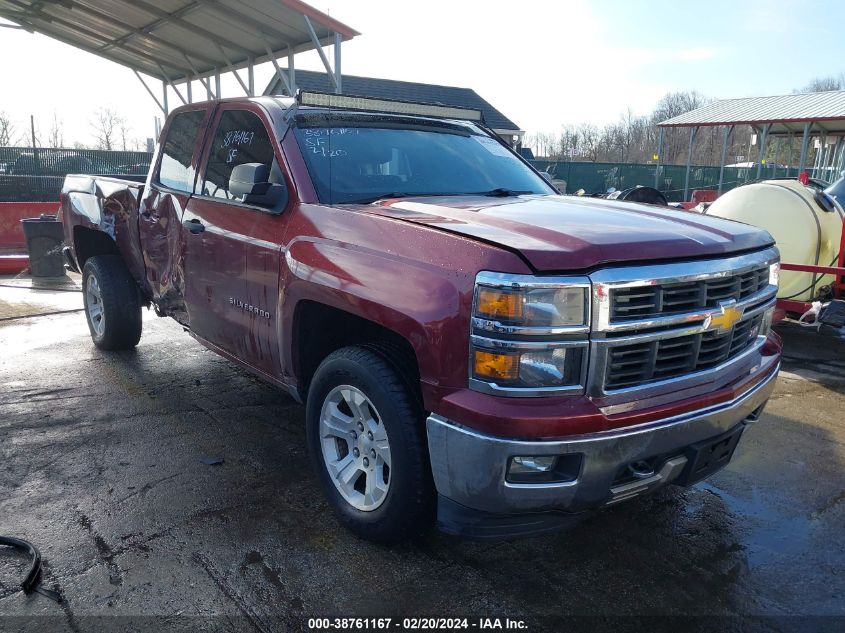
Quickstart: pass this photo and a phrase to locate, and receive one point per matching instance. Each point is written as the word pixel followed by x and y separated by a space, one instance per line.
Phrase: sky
pixel 543 63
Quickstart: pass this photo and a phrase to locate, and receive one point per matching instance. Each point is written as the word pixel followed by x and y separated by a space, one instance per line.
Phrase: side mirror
pixel 252 181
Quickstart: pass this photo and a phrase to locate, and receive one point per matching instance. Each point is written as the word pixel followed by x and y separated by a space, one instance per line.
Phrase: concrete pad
pixel 102 466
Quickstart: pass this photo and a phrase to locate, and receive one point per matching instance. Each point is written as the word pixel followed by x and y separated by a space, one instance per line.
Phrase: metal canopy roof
pixel 785 114
pixel 178 40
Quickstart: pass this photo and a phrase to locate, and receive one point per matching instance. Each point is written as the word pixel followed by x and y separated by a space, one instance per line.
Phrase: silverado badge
pixel 246 307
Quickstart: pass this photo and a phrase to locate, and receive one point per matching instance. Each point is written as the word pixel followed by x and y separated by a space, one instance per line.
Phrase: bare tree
pixel 823 84
pixel 671 105
pixel 588 141
pixel 56 138
pixel 124 130
pixel 7 130
pixel 107 125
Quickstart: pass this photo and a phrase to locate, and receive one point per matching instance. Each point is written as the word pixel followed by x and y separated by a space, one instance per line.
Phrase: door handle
pixel 194 226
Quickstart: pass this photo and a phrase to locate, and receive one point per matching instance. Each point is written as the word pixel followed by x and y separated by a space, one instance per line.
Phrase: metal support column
pixel 821 157
pixel 251 77
pixel 804 141
pixel 150 92
pixel 692 133
pixel 164 100
pixel 762 153
pixel 660 135
pixel 777 155
pixel 319 48
pixel 840 162
pixel 291 90
pixel 338 77
pixel 168 82
pixel 189 89
pixel 291 71
pixel 217 83
pixel 725 142
pixel 791 155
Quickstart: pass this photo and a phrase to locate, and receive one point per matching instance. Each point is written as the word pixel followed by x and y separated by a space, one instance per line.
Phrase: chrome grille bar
pixel 670 324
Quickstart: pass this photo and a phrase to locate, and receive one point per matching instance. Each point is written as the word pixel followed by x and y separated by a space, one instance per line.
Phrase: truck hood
pixel 571 233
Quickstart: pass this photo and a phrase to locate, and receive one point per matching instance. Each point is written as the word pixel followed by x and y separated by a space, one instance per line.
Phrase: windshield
pixel 360 163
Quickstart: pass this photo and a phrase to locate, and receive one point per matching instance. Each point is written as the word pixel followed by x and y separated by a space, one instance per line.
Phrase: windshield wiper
pixel 395 194
pixel 502 192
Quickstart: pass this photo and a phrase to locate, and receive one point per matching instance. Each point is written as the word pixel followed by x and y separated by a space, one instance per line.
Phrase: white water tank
pixel 807 231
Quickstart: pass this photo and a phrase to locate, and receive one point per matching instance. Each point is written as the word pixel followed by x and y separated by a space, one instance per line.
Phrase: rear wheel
pixel 367 441
pixel 112 303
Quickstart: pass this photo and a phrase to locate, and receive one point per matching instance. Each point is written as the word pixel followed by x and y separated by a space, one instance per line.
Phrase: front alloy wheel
pixel 366 436
pixel 356 449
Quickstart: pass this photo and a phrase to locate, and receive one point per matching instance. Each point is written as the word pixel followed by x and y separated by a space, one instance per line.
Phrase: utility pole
pixel 35 159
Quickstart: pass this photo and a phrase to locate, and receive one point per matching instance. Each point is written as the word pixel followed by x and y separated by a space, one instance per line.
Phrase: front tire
pixel 112 303
pixel 367 441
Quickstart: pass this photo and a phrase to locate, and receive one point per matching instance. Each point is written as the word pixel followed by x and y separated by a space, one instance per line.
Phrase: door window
pixel 176 171
pixel 240 138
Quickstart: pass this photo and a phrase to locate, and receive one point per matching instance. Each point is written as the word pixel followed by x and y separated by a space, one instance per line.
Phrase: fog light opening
pixel 538 469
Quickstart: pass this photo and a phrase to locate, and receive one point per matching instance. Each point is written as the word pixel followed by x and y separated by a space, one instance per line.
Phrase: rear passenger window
pixel 176 171
pixel 240 138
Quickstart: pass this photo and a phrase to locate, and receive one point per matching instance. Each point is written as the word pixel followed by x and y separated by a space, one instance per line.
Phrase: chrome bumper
pixel 469 467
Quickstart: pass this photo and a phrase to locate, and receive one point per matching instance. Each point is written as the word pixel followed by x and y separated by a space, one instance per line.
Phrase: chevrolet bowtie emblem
pixel 728 316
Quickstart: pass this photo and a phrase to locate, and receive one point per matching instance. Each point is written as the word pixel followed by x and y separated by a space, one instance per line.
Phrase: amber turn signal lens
pixel 496 366
pixel 499 304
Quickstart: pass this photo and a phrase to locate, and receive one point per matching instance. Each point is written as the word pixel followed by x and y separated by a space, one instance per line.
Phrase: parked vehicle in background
pixel 136 168
pixel 472 348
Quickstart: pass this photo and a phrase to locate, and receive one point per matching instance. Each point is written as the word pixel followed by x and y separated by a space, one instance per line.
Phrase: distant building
pixel 406 91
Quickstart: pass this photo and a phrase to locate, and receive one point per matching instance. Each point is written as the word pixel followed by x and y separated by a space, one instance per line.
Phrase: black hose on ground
pixel 32 580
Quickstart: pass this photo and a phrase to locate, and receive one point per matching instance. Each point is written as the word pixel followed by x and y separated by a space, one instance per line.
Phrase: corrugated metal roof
pixel 816 107
pixel 175 39
pixel 398 91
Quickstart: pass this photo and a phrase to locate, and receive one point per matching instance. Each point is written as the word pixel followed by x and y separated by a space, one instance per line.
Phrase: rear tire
pixel 112 303
pixel 362 416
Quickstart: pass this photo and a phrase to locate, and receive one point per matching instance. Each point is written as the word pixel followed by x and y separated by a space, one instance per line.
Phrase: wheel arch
pixel 88 243
pixel 318 329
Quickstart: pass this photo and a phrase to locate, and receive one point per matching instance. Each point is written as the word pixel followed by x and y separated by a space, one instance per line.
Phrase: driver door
pixel 232 249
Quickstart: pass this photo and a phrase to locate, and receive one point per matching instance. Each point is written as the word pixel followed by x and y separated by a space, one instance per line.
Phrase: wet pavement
pixel 104 465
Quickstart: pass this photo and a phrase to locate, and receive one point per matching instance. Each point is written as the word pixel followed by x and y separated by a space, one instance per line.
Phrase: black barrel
pixel 44 239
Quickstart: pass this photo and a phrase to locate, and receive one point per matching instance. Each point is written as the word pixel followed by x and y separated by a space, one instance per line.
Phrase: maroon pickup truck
pixel 472 348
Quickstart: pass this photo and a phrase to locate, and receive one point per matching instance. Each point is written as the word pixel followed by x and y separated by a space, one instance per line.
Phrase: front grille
pixel 645 302
pixel 641 363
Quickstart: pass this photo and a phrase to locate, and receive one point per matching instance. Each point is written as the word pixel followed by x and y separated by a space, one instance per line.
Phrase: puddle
pixel 770 535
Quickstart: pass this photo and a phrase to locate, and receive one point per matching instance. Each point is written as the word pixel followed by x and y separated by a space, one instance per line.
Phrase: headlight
pixel 549 367
pixel 517 301
pixel 531 307
pixel 774 273
pixel 529 334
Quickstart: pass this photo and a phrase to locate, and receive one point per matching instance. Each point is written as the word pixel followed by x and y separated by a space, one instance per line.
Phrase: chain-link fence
pixel 599 177
pixel 36 175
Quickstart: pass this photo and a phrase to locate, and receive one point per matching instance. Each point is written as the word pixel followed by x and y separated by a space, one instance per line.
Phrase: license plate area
pixel 706 457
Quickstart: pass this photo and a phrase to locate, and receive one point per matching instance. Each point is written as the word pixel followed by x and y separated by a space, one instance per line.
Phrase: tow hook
pixel 640 470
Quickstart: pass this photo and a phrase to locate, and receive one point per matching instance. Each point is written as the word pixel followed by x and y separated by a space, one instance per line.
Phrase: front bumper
pixel 475 499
